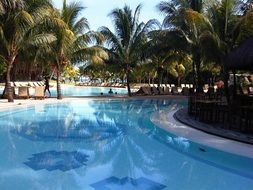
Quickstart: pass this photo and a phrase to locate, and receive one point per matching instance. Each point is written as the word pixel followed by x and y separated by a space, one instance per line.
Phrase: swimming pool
pixel 80 91
pixel 87 91
pixel 109 144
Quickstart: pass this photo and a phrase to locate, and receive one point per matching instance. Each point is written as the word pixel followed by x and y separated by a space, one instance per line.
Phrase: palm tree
pixel 173 10
pixel 186 17
pixel 17 24
pixel 72 44
pixel 126 43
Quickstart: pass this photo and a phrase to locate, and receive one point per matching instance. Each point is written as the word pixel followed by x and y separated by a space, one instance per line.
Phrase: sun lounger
pixel 40 83
pixel 147 90
pixel 174 90
pixel 167 90
pixel 185 91
pixel 250 90
pixel 23 92
pixel 154 90
pixel 39 92
pixel 160 90
pixel 117 85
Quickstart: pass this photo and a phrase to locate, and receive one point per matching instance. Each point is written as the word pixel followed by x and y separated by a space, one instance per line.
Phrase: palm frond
pixel 41 39
pixel 11 5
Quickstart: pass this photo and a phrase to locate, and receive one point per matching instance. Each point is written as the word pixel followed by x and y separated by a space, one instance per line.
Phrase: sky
pixel 97 10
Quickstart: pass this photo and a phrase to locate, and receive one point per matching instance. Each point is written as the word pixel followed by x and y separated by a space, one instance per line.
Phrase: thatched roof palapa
pixel 241 58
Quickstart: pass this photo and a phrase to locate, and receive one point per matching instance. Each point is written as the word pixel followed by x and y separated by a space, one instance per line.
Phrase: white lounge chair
pixel 161 91
pixel 39 92
pixel 23 92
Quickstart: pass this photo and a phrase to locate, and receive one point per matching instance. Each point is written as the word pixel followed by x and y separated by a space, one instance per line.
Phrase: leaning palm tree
pixel 126 43
pixel 17 24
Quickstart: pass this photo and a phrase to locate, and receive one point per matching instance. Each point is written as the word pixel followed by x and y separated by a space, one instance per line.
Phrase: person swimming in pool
pixel 110 91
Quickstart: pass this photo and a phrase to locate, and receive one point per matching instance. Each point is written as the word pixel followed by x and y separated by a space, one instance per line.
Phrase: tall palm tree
pixel 231 27
pixel 186 17
pixel 72 44
pixel 161 48
pixel 126 43
pixel 174 9
pixel 17 24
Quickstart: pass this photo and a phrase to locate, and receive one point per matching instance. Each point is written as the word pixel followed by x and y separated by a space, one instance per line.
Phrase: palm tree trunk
pixel 196 69
pixel 59 95
pixel 199 81
pixel 8 79
pixel 179 81
pixel 128 83
pixel 128 79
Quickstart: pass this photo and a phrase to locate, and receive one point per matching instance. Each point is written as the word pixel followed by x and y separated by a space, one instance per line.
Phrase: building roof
pixel 241 58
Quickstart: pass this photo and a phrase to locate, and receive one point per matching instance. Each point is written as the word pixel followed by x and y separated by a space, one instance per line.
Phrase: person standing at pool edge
pixel 47 86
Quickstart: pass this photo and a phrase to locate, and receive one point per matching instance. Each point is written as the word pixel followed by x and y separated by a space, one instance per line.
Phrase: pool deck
pixel 164 119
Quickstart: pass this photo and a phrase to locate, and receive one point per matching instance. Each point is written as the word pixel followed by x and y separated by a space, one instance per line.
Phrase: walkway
pixel 215 129
pixel 165 119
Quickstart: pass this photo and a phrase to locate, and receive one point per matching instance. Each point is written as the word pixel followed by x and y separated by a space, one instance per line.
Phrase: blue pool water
pixel 109 145
pixel 80 91
pixel 87 91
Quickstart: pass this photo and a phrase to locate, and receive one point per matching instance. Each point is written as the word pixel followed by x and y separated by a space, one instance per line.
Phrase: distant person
pixel 47 86
pixel 110 91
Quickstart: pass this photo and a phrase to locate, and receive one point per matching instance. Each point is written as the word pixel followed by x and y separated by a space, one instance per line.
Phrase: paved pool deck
pixel 164 119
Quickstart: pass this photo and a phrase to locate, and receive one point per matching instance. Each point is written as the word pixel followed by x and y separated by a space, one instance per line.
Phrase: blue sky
pixel 97 10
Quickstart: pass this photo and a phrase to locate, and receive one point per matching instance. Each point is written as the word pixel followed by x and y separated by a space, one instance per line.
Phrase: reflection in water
pixel 117 133
pixel 118 139
pixel 56 130
pixel 127 183
pixel 53 160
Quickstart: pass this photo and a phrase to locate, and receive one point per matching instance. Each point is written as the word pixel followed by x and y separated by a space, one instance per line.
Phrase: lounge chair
pixel 185 91
pixel 174 90
pixel 161 91
pixel 250 90
pixel 39 92
pixel 154 90
pixel 167 90
pixel 23 92
pixel 147 90
pixel 39 83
